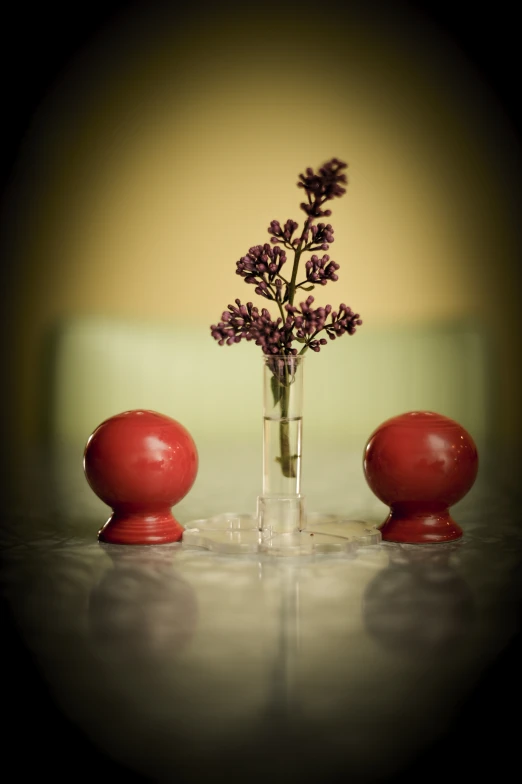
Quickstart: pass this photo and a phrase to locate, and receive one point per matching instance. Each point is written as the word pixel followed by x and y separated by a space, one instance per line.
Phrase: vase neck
pixel 282 424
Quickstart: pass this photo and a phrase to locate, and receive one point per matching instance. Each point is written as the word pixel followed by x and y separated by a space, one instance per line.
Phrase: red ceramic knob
pixel 420 464
pixel 140 463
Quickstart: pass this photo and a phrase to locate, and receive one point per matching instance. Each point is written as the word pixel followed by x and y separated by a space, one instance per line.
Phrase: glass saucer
pixel 233 532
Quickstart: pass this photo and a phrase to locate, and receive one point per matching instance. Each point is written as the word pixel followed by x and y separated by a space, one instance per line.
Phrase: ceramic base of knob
pixel 430 527
pixel 133 528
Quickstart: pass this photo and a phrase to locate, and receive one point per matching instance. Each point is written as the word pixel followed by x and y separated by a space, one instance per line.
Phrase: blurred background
pixel 155 145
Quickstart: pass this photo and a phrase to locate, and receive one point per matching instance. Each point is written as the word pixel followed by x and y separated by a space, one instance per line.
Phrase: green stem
pixel 287 459
pixel 298 251
pixel 292 286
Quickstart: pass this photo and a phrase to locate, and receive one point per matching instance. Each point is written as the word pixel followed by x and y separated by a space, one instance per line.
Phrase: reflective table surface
pixel 172 663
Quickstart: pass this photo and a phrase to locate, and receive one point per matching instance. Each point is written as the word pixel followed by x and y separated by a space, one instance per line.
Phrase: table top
pixel 173 663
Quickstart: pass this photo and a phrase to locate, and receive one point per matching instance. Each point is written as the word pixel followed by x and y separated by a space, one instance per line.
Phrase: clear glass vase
pixel 280 526
pixel 281 506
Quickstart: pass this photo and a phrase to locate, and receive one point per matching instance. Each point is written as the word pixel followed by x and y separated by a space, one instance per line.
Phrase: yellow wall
pixel 164 152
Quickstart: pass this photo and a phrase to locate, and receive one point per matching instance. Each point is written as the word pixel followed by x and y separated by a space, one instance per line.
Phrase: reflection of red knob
pixel 142 610
pixel 140 463
pixel 419 464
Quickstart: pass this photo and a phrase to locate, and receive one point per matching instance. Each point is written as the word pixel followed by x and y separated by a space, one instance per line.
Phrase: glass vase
pixel 280 507
pixel 279 526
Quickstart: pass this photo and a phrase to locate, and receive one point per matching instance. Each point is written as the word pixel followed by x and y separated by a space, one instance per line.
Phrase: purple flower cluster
pixel 275 337
pixel 321 235
pixel 310 321
pixel 262 266
pixel 321 270
pixel 327 184
pixel 285 234
pixel 250 323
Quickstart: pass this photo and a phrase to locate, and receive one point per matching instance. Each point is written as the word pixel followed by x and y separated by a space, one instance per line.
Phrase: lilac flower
pixel 321 270
pixel 345 320
pixel 283 235
pixel 309 326
pixel 274 337
pixel 310 321
pixel 323 186
pixel 322 234
pixel 249 323
pixel 236 323
pixel 262 267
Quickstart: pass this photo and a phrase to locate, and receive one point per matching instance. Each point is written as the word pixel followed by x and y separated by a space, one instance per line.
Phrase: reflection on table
pixel 177 662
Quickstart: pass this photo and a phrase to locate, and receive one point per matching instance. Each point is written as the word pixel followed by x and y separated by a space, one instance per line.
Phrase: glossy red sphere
pixel 140 463
pixel 419 464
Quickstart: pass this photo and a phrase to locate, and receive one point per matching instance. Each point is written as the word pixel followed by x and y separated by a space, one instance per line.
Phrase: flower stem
pixel 287 459
pixel 292 286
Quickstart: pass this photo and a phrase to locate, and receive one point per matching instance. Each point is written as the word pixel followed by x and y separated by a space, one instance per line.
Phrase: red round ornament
pixel 419 464
pixel 140 463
